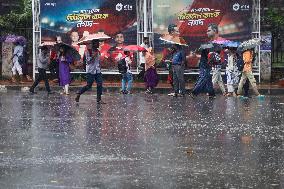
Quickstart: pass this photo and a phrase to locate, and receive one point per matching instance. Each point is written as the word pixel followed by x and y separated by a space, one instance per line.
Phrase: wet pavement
pixel 140 141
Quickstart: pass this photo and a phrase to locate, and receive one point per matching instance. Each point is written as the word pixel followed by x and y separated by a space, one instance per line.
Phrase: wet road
pixel 140 141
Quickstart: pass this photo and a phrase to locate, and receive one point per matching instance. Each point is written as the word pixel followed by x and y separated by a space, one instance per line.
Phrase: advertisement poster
pixel 192 17
pixel 69 21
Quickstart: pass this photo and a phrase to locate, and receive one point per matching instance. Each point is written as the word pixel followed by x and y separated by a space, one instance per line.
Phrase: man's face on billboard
pixel 119 38
pixel 74 36
pixel 58 39
pixel 210 32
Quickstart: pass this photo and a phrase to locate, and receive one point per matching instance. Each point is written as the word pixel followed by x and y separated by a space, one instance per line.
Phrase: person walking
pixel 64 61
pixel 93 69
pixel 43 61
pixel 178 70
pixel 17 60
pixel 127 77
pixel 247 73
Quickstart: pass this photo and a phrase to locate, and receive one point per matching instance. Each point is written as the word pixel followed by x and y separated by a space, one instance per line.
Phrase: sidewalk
pixel 266 89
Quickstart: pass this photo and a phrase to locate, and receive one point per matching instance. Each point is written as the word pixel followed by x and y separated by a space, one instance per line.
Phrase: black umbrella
pixel 69 50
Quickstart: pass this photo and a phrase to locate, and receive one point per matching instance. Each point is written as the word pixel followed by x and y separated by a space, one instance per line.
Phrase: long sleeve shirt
pixel 43 60
pixel 92 63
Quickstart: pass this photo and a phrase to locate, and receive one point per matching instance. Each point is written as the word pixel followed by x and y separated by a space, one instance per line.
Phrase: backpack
pixel 122 67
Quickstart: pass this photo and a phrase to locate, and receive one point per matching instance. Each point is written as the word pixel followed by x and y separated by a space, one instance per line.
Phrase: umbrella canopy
pixel 221 41
pixel 213 47
pixel 173 40
pixel 232 44
pixel 48 44
pixel 249 44
pixel 15 39
pixel 134 48
pixel 69 50
pixel 88 39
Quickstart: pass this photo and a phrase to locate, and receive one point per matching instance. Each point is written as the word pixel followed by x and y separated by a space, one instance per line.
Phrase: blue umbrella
pixel 232 44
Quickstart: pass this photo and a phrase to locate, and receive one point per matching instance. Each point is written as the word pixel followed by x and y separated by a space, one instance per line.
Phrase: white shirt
pixel 18 51
pixel 128 63
pixel 141 56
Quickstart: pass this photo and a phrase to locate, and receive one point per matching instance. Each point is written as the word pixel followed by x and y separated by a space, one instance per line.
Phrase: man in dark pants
pixel 178 70
pixel 42 66
pixel 93 69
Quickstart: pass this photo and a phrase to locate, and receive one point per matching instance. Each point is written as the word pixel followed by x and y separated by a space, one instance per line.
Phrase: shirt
pixel 248 57
pixel 178 57
pixel 93 63
pixel 128 63
pixel 43 60
pixel 141 56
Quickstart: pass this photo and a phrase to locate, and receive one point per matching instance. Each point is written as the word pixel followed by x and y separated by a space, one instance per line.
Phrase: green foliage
pixel 275 18
pixel 18 18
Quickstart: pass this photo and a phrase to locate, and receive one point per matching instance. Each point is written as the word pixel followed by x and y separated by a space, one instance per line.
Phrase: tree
pixel 274 19
pixel 18 18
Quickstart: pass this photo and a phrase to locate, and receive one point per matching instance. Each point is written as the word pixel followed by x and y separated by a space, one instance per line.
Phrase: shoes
pixel 32 92
pixel 260 97
pixel 148 91
pixel 192 95
pixel 100 102
pixel 171 94
pixel 77 98
pixel 211 96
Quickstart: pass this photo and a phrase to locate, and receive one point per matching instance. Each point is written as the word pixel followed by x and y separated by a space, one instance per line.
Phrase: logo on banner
pixel 120 7
pixel 239 7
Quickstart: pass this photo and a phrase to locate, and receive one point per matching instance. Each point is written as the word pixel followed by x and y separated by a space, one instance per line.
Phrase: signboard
pixel 192 18
pixel 71 20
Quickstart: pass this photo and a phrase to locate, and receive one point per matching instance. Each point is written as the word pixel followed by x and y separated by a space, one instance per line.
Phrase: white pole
pixel 34 38
pixel 259 37
pixel 145 18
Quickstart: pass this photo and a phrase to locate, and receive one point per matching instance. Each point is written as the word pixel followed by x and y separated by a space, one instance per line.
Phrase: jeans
pixel 41 76
pixel 178 78
pixel 126 78
pixel 90 80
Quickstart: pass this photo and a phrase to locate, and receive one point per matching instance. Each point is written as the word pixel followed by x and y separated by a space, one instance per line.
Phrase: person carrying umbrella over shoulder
pixel 93 69
pixel 43 61
pixel 247 73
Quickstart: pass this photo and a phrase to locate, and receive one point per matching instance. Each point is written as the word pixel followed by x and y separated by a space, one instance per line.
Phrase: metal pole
pixel 34 39
pixel 259 37
pixel 145 18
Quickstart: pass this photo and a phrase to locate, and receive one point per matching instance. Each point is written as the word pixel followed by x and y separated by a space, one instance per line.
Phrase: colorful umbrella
pixel 173 40
pixel 249 44
pixel 15 39
pixel 232 44
pixel 69 50
pixel 88 39
pixel 210 46
pixel 134 48
pixel 48 44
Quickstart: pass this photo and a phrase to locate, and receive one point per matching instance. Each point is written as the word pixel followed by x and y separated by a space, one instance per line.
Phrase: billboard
pixel 192 18
pixel 71 20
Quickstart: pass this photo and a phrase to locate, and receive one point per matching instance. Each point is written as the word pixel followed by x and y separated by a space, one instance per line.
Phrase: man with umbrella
pixel 42 66
pixel 213 35
pixel 93 69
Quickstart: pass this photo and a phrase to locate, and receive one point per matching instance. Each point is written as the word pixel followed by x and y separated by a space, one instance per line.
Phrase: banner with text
pixel 191 18
pixel 71 20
